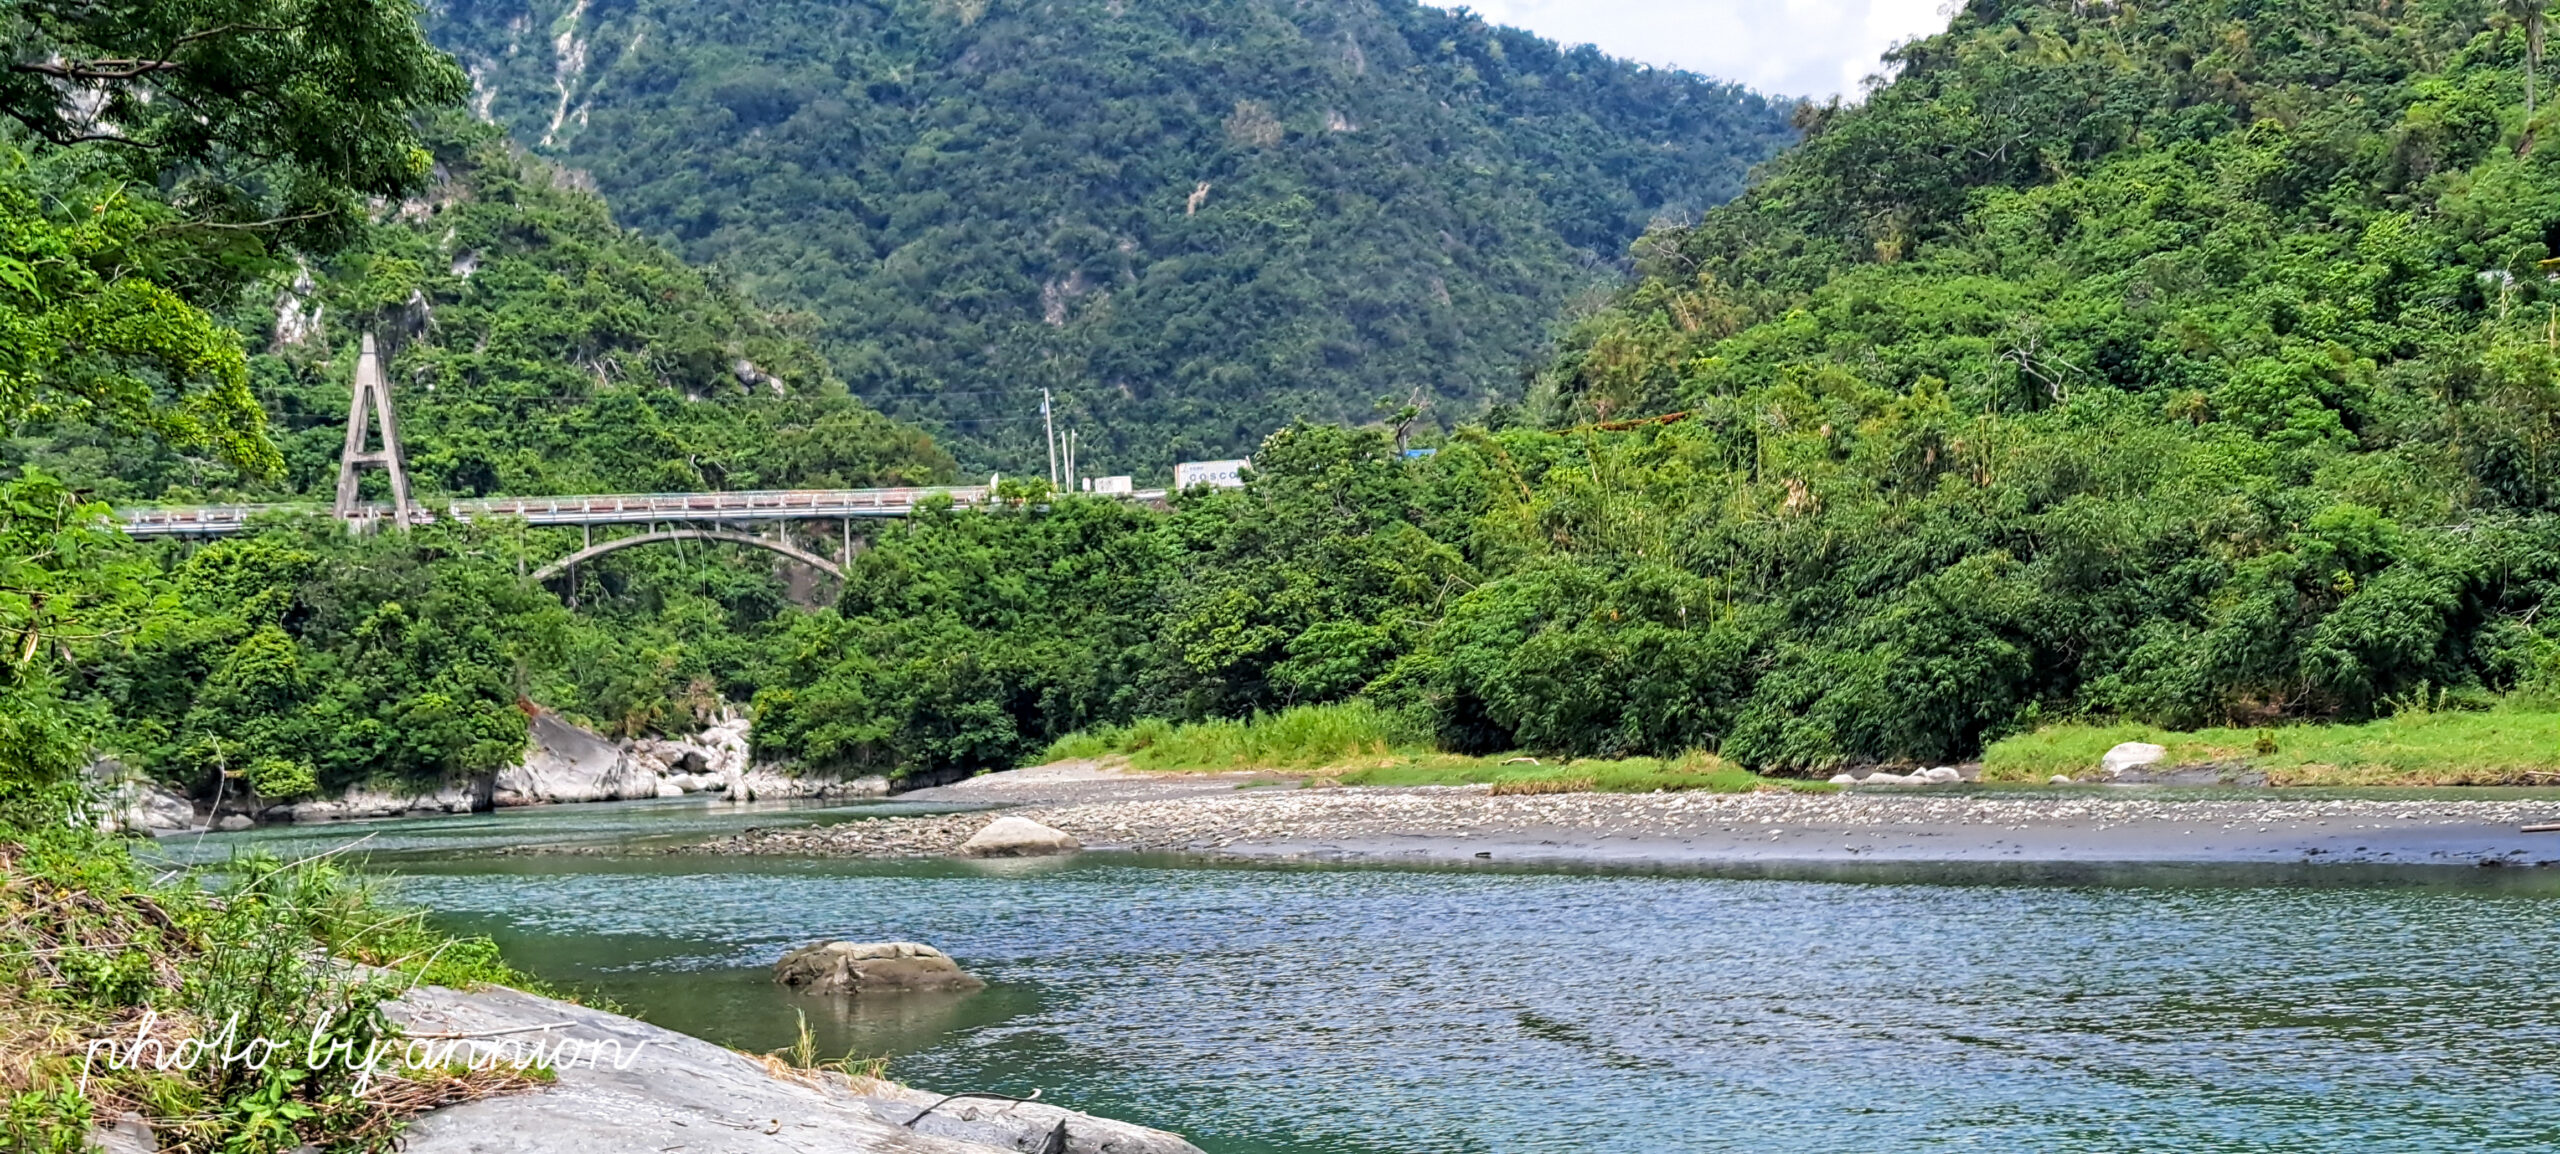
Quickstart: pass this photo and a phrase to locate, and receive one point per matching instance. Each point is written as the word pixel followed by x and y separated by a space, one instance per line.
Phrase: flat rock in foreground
pixel 674 1092
pixel 871 968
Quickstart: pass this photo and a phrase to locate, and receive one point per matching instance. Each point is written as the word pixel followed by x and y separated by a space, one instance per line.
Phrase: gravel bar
pixel 2088 825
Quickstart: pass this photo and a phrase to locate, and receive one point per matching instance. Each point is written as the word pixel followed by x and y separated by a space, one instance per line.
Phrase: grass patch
pixel 93 946
pixel 1694 772
pixel 1356 743
pixel 2514 743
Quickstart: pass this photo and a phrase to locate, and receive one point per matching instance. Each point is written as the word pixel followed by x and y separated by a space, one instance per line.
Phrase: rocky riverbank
pixel 645 1088
pixel 1260 816
pixel 563 764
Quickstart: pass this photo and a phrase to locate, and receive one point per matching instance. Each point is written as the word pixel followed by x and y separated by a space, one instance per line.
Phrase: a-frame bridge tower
pixel 372 399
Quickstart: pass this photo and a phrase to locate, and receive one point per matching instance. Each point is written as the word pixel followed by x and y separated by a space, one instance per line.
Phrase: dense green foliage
pixel 309 661
pixel 534 348
pixel 2188 362
pixel 1193 221
pixel 2185 363
pixel 59 587
pixel 121 241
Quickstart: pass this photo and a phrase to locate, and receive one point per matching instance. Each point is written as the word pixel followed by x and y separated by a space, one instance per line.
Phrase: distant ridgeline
pixel 1193 221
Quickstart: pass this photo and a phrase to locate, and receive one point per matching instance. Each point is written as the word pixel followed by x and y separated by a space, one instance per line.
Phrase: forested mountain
pixel 1193 221
pixel 2189 361
pixel 534 347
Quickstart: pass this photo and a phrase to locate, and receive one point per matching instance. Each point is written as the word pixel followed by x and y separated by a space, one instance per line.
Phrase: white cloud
pixel 1781 47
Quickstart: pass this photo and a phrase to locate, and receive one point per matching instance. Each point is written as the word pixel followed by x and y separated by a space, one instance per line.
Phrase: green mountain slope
pixel 1192 221
pixel 534 348
pixel 2187 362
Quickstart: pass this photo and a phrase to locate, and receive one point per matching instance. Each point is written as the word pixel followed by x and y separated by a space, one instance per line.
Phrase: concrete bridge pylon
pixel 372 398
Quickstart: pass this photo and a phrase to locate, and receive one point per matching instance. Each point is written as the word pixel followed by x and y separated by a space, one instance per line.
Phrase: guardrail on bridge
pixel 609 509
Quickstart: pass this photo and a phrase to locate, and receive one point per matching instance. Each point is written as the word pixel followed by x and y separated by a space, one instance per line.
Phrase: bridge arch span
pixel 768 544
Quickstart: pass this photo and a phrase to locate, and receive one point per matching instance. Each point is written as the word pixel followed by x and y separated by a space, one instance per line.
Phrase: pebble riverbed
pixel 1198 823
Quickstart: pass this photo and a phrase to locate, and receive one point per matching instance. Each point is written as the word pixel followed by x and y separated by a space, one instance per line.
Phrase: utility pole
pixel 373 392
pixel 1049 432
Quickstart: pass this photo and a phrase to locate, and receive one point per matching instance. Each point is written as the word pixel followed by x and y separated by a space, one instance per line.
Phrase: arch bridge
pixel 656 536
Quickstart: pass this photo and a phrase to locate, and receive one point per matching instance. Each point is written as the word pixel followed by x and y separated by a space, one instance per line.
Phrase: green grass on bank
pixel 93 945
pixel 1356 743
pixel 1699 772
pixel 2517 742
pixel 1306 737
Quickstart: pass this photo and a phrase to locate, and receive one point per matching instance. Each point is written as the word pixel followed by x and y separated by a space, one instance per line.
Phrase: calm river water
pixel 1369 1011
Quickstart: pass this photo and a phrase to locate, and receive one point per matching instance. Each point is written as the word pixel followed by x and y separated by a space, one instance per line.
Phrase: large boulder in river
pixel 871 968
pixel 2132 755
pixel 1018 837
pixel 567 763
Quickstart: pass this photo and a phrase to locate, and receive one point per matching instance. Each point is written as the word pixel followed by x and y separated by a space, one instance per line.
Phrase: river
pixel 1310 1010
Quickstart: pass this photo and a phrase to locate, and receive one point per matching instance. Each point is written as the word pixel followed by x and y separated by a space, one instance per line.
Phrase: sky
pixel 1814 48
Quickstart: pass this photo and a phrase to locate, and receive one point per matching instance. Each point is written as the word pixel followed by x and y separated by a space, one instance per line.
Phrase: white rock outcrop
pixel 721 760
pixel 565 763
pixel 773 785
pixel 131 803
pixel 715 752
pixel 569 764
pixel 1941 775
pixel 2132 755
pixel 1018 837
pixel 364 802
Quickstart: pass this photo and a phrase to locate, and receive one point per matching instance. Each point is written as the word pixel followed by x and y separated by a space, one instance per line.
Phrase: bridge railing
pixel 760 505
pixel 621 508
pixel 197 520
pixel 604 509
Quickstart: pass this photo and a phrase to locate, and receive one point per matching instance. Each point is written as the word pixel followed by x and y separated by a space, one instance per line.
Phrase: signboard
pixel 1222 474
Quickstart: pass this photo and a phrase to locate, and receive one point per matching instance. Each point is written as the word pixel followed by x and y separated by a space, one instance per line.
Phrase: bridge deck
pixel 611 509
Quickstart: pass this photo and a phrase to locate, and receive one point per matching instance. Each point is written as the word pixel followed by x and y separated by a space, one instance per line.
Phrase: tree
pixel 174 141
pixel 58 587
pixel 294 103
pixel 82 337
pixel 2532 15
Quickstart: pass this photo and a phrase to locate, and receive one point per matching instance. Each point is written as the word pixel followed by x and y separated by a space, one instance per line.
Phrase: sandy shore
pixel 1269 817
